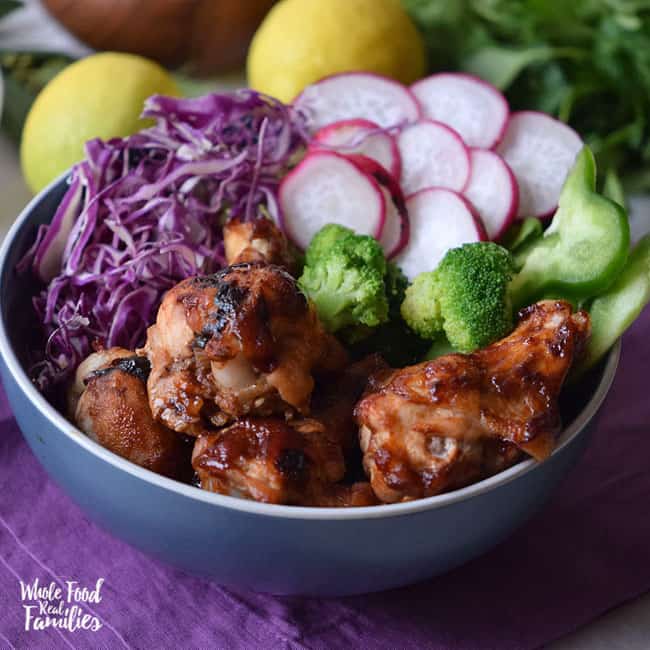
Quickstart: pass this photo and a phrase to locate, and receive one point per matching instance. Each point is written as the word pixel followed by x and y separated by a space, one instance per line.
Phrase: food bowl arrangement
pixel 255 338
pixel 272 548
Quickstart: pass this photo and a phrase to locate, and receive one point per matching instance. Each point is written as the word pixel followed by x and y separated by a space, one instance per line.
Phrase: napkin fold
pixel 587 551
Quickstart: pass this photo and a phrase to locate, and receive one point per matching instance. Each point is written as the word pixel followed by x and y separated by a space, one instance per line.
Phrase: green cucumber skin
pixel 615 310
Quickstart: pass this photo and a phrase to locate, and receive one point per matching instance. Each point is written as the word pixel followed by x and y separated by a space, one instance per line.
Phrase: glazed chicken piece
pixel 297 462
pixel 335 397
pixel 86 368
pixel 275 461
pixel 110 405
pixel 338 495
pixel 268 459
pixel 442 424
pixel 243 341
pixel 256 241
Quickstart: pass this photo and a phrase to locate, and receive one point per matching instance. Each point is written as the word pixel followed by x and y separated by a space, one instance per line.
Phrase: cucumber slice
pixel 615 310
pixel 583 250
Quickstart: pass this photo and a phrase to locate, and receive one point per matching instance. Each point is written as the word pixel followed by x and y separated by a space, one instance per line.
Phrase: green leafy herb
pixel 585 61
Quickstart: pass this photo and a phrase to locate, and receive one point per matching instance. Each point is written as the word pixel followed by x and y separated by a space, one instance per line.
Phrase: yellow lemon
pixel 100 96
pixel 301 41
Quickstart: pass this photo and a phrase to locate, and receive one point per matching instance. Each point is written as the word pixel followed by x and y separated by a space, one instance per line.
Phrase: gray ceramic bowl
pixel 278 549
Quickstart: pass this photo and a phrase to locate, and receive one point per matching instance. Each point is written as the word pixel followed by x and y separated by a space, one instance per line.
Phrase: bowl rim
pixel 265 509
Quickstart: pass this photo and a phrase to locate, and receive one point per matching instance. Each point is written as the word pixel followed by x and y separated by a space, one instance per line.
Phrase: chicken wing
pixel 243 341
pixel 268 460
pixel 259 240
pixel 275 461
pixel 447 422
pixel 112 409
pixel 335 397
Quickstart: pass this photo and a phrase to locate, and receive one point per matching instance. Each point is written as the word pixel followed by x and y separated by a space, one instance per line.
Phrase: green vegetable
pixel 344 277
pixel 519 238
pixel 421 307
pixel 584 248
pixel 396 343
pixel 616 309
pixel 522 233
pixel 324 239
pixel 613 189
pixel 395 282
pixel 585 61
pixel 439 348
pixel 466 297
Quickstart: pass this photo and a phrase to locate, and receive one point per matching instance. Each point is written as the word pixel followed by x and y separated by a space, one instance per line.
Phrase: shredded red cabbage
pixel 146 211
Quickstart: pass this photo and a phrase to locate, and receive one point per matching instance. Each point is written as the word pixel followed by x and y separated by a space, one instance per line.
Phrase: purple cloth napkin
pixel 588 551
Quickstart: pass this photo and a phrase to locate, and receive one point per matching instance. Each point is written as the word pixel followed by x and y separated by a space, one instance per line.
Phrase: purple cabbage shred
pixel 146 211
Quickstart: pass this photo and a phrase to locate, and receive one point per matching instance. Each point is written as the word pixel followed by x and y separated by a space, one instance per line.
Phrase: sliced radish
pixel 396 230
pixel 540 151
pixel 440 220
pixel 433 155
pixel 493 191
pixel 471 106
pixel 395 236
pixel 328 188
pixel 362 137
pixel 353 95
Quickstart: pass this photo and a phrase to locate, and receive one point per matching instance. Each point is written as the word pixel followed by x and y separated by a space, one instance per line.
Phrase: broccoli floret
pixel 421 308
pixel 396 283
pixel 365 248
pixel 345 280
pixel 472 287
pixel 439 348
pixel 323 241
pixel 396 343
pixel 466 297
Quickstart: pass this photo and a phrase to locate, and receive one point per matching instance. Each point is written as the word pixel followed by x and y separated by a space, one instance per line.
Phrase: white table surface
pixel 625 628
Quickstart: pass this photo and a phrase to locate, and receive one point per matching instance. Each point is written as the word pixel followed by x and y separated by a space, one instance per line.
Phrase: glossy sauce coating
pixel 243 341
pixel 268 460
pixel 445 423
pixel 114 411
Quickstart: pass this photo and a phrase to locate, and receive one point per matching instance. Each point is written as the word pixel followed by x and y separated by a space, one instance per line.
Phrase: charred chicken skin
pixel 275 461
pixel 268 459
pixel 111 407
pixel 299 461
pixel 243 341
pixel 445 423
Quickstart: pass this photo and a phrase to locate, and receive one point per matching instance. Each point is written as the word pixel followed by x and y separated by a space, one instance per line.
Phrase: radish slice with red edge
pixel 396 229
pixel 395 235
pixel 476 110
pixel 328 188
pixel 352 95
pixel 440 220
pixel 361 137
pixel 493 191
pixel 433 155
pixel 540 151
